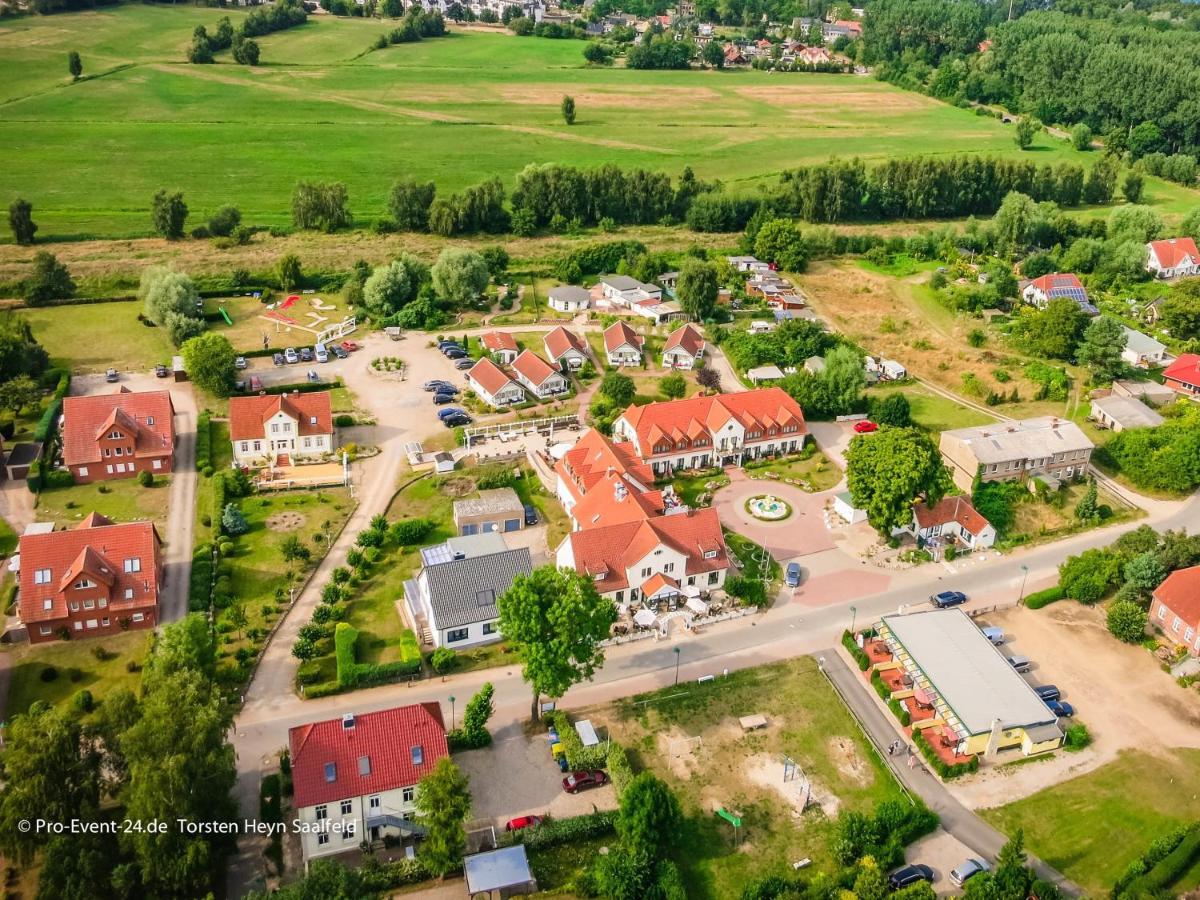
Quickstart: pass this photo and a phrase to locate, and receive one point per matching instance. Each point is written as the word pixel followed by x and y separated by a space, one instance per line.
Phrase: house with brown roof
pixel 98 578
pixel 493 386
pixel 1183 375
pixel 501 346
pixel 623 345
pixel 355 777
pixel 726 429
pixel 1175 608
pixel 565 349
pixel 592 459
pixel 117 435
pixel 1058 286
pixel 650 559
pixel 952 522
pixel 538 376
pixel 683 348
pixel 279 429
pixel 1172 258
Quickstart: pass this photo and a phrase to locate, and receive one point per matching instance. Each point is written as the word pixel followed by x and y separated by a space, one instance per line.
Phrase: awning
pixel 645 618
pixel 691 590
pixel 697 605
pixel 923 697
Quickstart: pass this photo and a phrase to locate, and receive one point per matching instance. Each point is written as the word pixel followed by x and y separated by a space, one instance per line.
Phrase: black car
pixel 907 875
pixel 465 363
pixel 436 384
pixel 456 354
pixel 306 354
pixel 161 371
pixel 442 345
pixel 531 516
pixel 946 599
pixel 443 399
pixel 338 352
pixel 1048 692
pixel 454 421
pixel 277 359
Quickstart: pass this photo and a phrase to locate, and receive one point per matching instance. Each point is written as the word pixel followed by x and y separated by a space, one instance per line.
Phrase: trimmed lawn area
pixel 931 410
pixel 810 467
pixel 1091 827
pixel 122 500
pixel 744 772
pixel 78 665
pixel 749 554
pixel 115 337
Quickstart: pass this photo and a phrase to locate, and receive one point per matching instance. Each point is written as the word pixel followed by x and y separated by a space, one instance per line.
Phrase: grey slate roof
pixel 1128 412
pixel 463 591
pixel 570 293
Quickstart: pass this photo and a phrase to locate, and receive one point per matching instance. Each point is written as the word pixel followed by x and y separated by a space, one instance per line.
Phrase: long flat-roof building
pixel 1045 446
pixel 973 690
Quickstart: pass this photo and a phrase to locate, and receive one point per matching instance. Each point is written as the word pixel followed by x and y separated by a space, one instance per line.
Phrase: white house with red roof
pixel 98 578
pixel 1056 286
pixel 355 778
pixel 1175 608
pixel 592 459
pixel 1172 258
pixel 684 347
pixel 650 559
pixel 623 345
pixel 117 435
pixel 953 521
pixel 565 349
pixel 1183 375
pixel 541 378
pixel 278 429
pixel 493 386
pixel 726 429
pixel 501 346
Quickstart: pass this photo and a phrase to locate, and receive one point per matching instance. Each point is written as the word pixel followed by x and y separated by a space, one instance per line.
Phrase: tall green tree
pixel 567 108
pixel 443 804
pixel 74 65
pixel 477 713
pixel 555 619
pixel 50 280
pixel 1026 131
pixel 208 359
pixel 289 271
pixel 321 206
pixel 780 241
pixel 459 276
pixel 1100 350
pixel 168 213
pixel 409 202
pixel 1053 331
pixel 1081 137
pixel 393 286
pixel 888 470
pixel 1126 621
pixel 19 393
pixel 697 289
pixel 619 388
pixel 20 220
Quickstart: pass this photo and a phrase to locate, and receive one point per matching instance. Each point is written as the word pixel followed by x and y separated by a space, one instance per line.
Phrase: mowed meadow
pixel 456 110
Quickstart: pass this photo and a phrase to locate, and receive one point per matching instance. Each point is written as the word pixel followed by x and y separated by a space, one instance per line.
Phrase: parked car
pixel 946 599
pixel 455 421
pixel 1061 708
pixel 240 363
pixel 447 388
pixel 349 346
pixel 522 822
pixel 111 375
pixel 321 353
pixel 442 399
pixel 278 359
pixel 442 345
pixel 306 354
pixel 531 516
pixel 463 364
pixel 435 383
pixel 456 354
pixel 865 427
pixel 256 384
pixel 792 577
pixel 1020 663
pixel 338 352
pixel 582 781
pixel 1048 692
pixel 994 634
pixel 451 411
pixel 966 870
pixel 290 355
pixel 161 371
pixel 907 875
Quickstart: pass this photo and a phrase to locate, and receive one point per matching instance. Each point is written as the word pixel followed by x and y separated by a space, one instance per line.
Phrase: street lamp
pixel 1021 598
pixel 676 666
pixel 853 614
pixel 451 712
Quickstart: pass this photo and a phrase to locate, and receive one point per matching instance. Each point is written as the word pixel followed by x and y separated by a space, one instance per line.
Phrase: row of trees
pixel 204 45
pixel 416 25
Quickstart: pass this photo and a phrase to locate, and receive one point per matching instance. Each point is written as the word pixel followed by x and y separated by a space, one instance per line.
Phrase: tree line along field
pixel 456 110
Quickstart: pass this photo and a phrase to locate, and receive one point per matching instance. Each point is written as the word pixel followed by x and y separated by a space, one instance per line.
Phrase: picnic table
pixel 752 723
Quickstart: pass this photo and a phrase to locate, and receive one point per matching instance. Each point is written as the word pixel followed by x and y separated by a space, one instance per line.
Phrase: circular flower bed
pixel 768 508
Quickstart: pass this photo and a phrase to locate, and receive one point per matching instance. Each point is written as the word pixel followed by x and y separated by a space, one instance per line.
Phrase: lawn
pixel 122 500
pixel 115 337
pixel 454 109
pixel 810 468
pixel 931 410
pixel 1036 521
pixel 744 772
pixel 1091 827
pixel 249 328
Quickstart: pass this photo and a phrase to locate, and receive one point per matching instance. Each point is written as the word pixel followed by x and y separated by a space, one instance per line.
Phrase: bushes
pixel 219 488
pixel 750 591
pixel 1077 737
pixel 203 442
pixel 592 259
pixel 1164 873
pixel 936 763
pixel 882 836
pixel 1133 882
pixel 352 674
pixel 443 660
pixel 411 531
pixel 342 420
pixel 555 832
pixel 578 756
pixel 1038 599
pixel 47 425
pixel 860 655
pixel 619 770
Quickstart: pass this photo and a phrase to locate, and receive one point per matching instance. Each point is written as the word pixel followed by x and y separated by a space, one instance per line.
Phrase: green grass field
pixel 116 337
pixel 90 155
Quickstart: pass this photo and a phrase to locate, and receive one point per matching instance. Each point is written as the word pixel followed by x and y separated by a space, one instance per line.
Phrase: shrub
pixel 1077 737
pixel 619 769
pixel 83 701
pixel 750 591
pixel 48 674
pixel 1170 869
pixel 945 770
pixel 1038 599
pixel 578 756
pixel 573 830
pixel 411 531
pixel 342 420
pixel 145 478
pixel 1158 850
pixel 444 660
pixel 203 442
pixel 860 655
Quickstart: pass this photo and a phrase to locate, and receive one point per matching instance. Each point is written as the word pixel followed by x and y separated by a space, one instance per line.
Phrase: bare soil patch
pixel 793 97
pixel 286 521
pixel 849 761
pixel 458 487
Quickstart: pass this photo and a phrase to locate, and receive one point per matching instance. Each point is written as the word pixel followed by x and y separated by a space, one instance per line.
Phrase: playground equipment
pixel 734 819
pixel 225 316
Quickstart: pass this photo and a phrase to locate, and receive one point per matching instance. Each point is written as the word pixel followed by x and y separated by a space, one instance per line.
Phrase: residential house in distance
pixel 762 374
pixel 952 522
pixel 750 264
pixel 639 298
pixel 493 386
pixel 1045 447
pixel 1183 375
pixel 281 428
pixel 760 327
pixel 118 435
pixel 499 509
pixel 568 298
pixel 651 559
pixel 1149 392
pixel 541 378
pixel 684 347
pixel 623 345
pixel 1119 413
pixel 1172 258
pixel 453 597
pixel 814 56
pixel 1041 291
pixel 501 346
pixel 355 777
pixel 1175 608
pixel 98 578
pixel 726 429
pixel 1143 351
pixel 565 349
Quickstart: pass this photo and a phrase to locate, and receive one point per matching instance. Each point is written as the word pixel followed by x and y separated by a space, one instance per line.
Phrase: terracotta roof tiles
pixel 248 416
pixel 146 416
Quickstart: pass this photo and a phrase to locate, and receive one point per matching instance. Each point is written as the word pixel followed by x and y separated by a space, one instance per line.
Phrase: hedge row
pixel 860 655
pixel 1170 869
pixel 618 767
pixel 201 580
pixel 353 674
pixel 939 765
pixel 555 832
pixel 1038 599
pixel 303 387
pixel 203 442
pixel 900 712
pixel 578 756
pixel 1160 848
pixel 219 487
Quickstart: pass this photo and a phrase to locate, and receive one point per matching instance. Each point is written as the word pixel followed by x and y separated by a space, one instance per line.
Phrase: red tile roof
pixel 657 582
pixel 499 340
pixel 1185 369
pixel 614 500
pixel 1173 251
pixel 1180 593
pixel 612 549
pixel 1057 281
pixel 386 738
pixel 559 341
pixel 533 367
pixel 99 549
pixel 688 338
pixel 619 333
pixel 950 509
pixel 248 415
pixel 147 417
pixel 489 376
pixel 588 462
pixel 675 421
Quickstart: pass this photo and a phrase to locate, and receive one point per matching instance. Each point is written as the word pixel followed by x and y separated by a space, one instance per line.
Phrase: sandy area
pixel 795 96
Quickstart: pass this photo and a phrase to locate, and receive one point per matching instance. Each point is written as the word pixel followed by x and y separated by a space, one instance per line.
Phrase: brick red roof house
pixel 1183 375
pixel 538 375
pixel 1175 608
pixel 96 578
pixel 587 463
pixel 1173 256
pixel 623 345
pixel 565 348
pixel 493 385
pixel 501 345
pixel 400 747
pixel 683 347
pixel 281 426
pixel 110 436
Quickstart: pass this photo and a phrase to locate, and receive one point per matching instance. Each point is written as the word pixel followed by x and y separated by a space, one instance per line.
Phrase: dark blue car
pixel 946 599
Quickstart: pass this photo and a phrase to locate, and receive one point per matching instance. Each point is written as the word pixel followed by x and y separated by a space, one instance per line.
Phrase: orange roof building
pixel 500 345
pixel 541 378
pixel 493 386
pixel 623 345
pixel 565 349
pixel 117 435
pixel 279 428
pixel 1173 257
pixel 951 520
pixel 1175 608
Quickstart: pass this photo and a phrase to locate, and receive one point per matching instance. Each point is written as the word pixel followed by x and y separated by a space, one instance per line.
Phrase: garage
pixel 494 511
pixel 512 524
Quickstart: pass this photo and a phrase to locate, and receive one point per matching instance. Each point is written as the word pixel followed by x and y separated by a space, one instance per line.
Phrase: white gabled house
pixel 623 345
pixel 501 346
pixel 1142 350
pixel 493 386
pixel 541 378
pixel 1172 258
pixel 565 349
pixel 280 428
pixel 684 348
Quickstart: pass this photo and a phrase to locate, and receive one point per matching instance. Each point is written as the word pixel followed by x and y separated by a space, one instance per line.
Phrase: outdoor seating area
pixel 648 614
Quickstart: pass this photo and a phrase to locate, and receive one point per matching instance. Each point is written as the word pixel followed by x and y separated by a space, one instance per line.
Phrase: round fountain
pixel 768 508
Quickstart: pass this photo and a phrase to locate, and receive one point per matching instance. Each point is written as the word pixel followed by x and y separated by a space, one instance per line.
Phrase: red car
pixel 522 822
pixel 581 781
pixel 865 427
pixel 349 346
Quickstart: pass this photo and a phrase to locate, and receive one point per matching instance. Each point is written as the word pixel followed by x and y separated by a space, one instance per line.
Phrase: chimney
pixel 348 722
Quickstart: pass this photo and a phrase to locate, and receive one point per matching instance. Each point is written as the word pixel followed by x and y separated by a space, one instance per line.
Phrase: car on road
pixel 161 371
pixel 946 599
pixel 531 514
pixel 1048 692
pixel 582 781
pixel 522 822
pixel 306 354
pixel 456 354
pixel 455 421
pixel 911 874
pixel 349 346
pixel 792 576
pixel 865 427
pixel 967 870
pixel 240 363
pixel 256 384
pixel 1020 663
pixel 111 375
pixel 278 359
pixel 338 352
pixel 1061 708
pixel 465 363
pixel 290 355
pixel 312 376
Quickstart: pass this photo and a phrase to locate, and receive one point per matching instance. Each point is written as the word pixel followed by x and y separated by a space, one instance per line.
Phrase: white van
pixel 322 353
pixel 994 634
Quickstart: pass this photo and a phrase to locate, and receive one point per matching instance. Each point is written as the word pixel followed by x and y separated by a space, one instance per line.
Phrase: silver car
pixel 967 869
